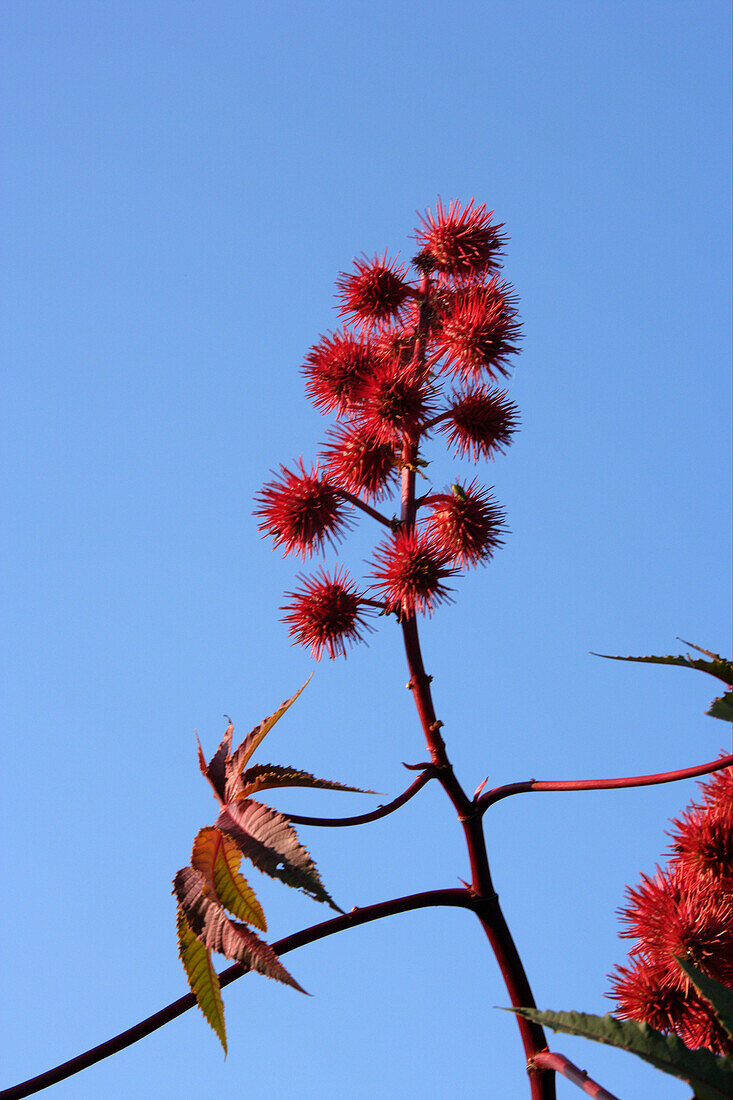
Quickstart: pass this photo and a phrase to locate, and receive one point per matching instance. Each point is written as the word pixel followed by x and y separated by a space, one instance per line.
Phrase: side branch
pixel 374 815
pixel 498 793
pixel 457 898
pixel 359 503
pixel 561 1064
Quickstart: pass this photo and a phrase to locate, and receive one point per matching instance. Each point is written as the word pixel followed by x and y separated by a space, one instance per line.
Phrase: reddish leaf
pixel 189 886
pixel 262 777
pixel 216 770
pixel 217 858
pixel 202 977
pixel 237 942
pixel 240 757
pixel 271 843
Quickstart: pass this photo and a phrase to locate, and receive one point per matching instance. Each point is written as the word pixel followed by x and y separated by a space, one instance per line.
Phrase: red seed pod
pixel 326 613
pixel 374 295
pixel 360 463
pixel 699 1027
pixel 302 511
pixel 459 242
pixel 643 992
pixel 679 913
pixel 466 523
pixel 396 345
pixel 479 330
pixel 395 403
pixel 335 369
pixel 409 573
pixel 702 840
pixel 480 422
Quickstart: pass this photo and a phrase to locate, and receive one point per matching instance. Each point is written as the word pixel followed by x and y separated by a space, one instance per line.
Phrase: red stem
pixel 374 815
pixel 454 897
pixel 498 793
pixel 359 503
pixel 542 1081
pixel 561 1064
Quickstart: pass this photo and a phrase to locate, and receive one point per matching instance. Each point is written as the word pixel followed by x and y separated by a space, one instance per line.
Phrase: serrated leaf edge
pixel 212 1012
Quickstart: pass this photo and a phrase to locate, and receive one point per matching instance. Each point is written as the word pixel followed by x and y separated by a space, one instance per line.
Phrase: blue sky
pixel 186 182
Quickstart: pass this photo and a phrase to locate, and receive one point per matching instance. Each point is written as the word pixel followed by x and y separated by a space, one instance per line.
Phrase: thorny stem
pixel 453 897
pixel 498 793
pixel 542 1081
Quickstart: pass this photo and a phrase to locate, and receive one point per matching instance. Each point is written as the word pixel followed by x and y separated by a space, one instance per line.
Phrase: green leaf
pixel 217 858
pixel 240 757
pixel 261 777
pixel 722 707
pixel 269 840
pixel 202 978
pixel 718 666
pixel 709 1074
pixel 719 996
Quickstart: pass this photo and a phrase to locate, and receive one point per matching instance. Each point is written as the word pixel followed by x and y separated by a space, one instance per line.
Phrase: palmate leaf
pixel 710 1075
pixel 719 996
pixel 202 977
pixel 269 840
pixel 217 858
pixel 261 777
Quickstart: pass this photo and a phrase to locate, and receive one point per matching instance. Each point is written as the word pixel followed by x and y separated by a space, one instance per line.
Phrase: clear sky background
pixel 185 182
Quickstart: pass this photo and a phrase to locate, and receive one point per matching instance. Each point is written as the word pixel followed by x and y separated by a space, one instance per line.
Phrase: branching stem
pixel 454 897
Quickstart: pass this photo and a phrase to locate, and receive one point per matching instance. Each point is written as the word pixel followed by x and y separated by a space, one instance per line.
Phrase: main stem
pixel 542 1080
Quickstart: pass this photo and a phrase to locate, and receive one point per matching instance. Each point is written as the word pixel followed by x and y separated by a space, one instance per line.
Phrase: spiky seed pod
pixel 335 369
pixel 480 422
pixel 681 913
pixel 360 463
pixel 467 523
pixel 410 572
pixel 643 992
pixel 301 510
pixel 396 345
pixel 374 295
pixel 700 1028
pixel 326 613
pixel 460 242
pixel 702 840
pixel 479 330
pixel 678 913
pixel 395 403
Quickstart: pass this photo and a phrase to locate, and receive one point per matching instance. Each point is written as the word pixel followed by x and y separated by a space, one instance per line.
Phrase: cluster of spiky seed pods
pixel 415 357
pixel 684 911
